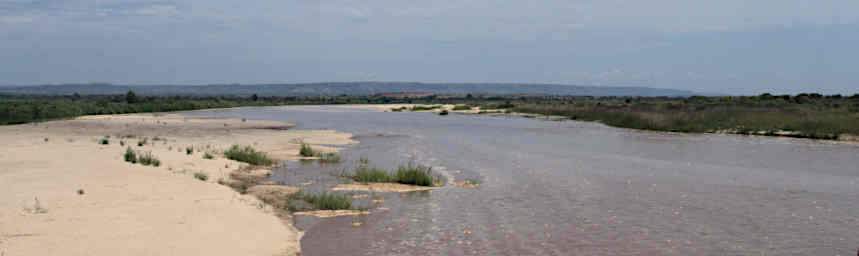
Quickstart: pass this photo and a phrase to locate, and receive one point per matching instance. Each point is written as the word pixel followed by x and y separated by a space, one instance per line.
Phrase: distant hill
pixel 348 88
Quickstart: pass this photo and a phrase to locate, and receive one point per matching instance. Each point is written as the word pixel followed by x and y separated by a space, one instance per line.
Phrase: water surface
pixel 579 188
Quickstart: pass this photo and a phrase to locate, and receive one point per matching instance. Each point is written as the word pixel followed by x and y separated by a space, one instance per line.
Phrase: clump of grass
pixel 248 155
pixel 81 192
pixel 103 141
pixel 306 150
pixel 410 174
pixel 189 150
pixel 461 107
pixel 46 139
pixel 325 200
pixel 443 112
pixel 329 157
pixel 209 156
pixel 415 175
pixel 371 174
pixel 424 108
pixel 122 143
pixel 201 176
pixel 130 156
pixel 140 143
pixel 148 159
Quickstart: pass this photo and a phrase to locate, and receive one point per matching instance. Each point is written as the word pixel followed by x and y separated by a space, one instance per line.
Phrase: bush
pixel 189 150
pixel 208 156
pixel 201 176
pixel 248 155
pixel 104 141
pixel 130 156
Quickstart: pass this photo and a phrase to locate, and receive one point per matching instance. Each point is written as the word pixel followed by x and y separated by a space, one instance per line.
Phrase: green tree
pixel 131 97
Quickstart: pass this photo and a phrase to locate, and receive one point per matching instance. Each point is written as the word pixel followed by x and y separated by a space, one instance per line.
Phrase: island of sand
pixel 68 190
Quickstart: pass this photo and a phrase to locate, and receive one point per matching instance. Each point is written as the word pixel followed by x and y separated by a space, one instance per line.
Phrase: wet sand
pixel 66 194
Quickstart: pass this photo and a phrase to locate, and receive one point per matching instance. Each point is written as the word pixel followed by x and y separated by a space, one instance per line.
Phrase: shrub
pixel 122 143
pixel 201 176
pixel 130 156
pixel 189 150
pixel 208 156
pixel 306 150
pixel 248 155
pixel 104 141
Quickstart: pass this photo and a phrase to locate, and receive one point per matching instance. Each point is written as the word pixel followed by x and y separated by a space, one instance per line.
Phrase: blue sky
pixel 727 46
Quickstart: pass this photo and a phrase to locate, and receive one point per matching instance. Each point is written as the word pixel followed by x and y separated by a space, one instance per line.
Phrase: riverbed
pixel 579 188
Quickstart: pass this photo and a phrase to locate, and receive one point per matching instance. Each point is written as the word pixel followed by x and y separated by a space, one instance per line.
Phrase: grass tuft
pixel 461 107
pixel 130 156
pixel 201 176
pixel 148 159
pixel 306 150
pixel 248 154
pixel 189 150
pixel 410 174
pixel 104 141
pixel 209 156
pixel 325 200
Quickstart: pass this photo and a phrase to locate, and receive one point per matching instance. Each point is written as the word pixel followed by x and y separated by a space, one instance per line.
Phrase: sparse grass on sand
pixel 147 158
pixel 248 154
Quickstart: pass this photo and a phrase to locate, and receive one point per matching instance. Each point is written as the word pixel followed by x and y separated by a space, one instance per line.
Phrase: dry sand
pixel 64 194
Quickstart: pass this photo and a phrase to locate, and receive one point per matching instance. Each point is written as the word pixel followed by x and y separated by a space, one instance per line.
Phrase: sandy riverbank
pixel 68 195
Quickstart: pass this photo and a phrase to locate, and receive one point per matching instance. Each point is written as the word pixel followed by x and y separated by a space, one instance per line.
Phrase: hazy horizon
pixel 727 47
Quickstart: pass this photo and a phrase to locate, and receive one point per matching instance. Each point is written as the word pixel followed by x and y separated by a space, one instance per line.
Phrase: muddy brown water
pixel 579 188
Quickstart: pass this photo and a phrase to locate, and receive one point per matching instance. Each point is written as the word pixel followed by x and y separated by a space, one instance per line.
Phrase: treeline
pixel 807 115
pixel 18 109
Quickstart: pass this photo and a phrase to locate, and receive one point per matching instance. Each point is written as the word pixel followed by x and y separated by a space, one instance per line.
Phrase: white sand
pixel 131 209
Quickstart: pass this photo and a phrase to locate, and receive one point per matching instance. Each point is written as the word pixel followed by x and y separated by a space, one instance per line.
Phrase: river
pixel 581 188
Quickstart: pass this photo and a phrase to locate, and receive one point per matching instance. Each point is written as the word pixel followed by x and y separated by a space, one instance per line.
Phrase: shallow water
pixel 578 188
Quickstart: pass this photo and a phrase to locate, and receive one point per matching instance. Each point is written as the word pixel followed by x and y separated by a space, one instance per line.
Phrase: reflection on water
pixel 562 188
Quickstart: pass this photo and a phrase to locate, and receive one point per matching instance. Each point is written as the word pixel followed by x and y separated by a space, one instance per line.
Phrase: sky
pixel 726 46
